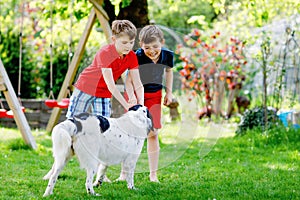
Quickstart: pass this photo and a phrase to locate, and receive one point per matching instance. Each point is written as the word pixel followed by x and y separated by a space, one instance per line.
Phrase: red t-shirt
pixel 91 81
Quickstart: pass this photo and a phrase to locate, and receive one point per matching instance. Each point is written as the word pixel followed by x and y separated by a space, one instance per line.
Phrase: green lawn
pixel 197 162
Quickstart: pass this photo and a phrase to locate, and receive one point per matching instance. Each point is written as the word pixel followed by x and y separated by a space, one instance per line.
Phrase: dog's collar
pixel 77 124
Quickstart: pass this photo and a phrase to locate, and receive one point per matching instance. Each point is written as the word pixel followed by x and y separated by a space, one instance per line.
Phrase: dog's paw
pixel 46 194
pixel 47 176
pixel 120 179
pixel 96 194
pixel 107 180
pixel 132 188
pixel 97 184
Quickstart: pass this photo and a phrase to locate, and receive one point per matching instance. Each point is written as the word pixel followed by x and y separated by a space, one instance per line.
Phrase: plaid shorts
pixel 81 102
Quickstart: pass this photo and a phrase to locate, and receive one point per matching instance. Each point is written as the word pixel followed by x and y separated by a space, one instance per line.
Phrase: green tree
pixel 180 14
pixel 39 35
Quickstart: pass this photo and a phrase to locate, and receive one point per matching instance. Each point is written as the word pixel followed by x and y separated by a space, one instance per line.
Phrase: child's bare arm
pixel 169 85
pixel 130 90
pixel 108 78
pixel 137 84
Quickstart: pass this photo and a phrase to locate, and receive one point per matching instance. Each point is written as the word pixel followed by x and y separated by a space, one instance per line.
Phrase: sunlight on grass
pixel 8 134
pixel 281 166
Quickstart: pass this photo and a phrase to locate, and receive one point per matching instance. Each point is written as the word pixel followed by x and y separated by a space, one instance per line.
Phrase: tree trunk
pixel 218 96
pixel 136 12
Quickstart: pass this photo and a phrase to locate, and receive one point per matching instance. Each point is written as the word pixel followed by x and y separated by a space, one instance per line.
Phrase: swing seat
pixel 10 114
pixel 64 103
pixel 2 113
pixel 51 103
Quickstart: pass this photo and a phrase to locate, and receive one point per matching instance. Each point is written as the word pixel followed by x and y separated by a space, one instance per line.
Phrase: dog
pixel 99 142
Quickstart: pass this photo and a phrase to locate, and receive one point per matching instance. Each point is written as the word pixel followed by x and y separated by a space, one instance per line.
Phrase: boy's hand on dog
pixel 132 101
pixel 130 105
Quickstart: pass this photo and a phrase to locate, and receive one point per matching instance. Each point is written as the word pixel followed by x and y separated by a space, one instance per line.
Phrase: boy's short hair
pixel 151 33
pixel 121 27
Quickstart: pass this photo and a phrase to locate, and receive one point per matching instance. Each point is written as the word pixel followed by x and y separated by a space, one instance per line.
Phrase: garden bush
pixel 255 118
pixel 275 134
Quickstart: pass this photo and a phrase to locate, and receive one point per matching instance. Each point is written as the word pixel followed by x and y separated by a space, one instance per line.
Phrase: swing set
pixel 62 102
pixel 17 110
pixel 51 102
pixel 96 12
pixel 9 113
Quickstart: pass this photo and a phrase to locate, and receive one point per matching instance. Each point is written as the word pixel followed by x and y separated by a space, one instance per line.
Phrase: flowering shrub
pixel 209 67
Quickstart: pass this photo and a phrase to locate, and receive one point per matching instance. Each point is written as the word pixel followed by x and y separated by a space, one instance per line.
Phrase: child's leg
pixel 153 154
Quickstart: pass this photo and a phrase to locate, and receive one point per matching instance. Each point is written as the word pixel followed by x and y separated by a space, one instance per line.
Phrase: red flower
pixel 197 32
pixel 199 50
pixel 186 38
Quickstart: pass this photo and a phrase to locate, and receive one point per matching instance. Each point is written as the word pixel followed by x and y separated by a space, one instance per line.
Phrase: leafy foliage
pixel 17 144
pixel 255 118
pixel 10 48
pixel 180 14
pixel 37 37
pixel 208 62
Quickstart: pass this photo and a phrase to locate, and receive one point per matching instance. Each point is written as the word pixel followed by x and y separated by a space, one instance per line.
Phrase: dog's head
pixel 141 115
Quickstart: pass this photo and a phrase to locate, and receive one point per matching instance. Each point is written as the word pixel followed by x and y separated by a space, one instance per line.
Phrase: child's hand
pixel 132 101
pixel 129 105
pixel 168 99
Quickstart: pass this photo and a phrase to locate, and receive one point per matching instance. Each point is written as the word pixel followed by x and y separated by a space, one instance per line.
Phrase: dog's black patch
pixel 135 107
pixel 82 116
pixel 149 115
pixel 104 123
pixel 77 124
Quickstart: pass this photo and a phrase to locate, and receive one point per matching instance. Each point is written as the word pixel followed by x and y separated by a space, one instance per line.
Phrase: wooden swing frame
pixel 96 12
pixel 14 104
pixel 16 109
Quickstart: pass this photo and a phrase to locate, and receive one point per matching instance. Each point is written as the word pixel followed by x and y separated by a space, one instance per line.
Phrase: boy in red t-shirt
pixel 96 83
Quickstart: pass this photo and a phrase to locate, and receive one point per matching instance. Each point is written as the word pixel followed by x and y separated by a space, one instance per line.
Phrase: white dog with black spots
pixel 99 142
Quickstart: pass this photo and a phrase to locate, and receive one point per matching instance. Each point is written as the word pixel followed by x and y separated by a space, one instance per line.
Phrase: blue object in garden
pixel 296 126
pixel 284 117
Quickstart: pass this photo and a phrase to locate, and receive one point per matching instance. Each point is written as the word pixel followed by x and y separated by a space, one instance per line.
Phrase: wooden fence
pixel 38 114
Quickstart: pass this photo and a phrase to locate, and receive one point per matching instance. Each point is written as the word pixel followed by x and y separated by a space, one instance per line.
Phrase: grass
pixel 196 162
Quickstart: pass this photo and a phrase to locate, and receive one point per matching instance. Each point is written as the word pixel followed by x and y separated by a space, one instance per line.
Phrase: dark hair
pixel 150 33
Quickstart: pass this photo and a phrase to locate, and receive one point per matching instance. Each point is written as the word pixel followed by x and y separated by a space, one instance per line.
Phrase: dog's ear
pixel 77 124
pixel 104 123
pixel 135 107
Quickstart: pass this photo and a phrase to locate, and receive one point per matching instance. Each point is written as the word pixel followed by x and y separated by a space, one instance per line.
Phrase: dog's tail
pixel 62 140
